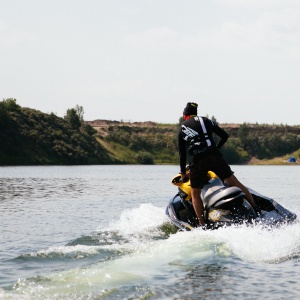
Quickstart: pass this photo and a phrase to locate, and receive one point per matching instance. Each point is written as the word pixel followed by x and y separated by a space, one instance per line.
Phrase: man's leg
pixel 198 205
pixel 233 181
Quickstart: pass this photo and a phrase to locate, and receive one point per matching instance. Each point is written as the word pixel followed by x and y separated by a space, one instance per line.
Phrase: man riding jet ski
pixel 223 206
pixel 196 137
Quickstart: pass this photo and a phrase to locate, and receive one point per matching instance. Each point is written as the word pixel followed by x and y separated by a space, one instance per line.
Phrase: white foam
pixel 140 219
pixel 77 251
pixel 260 244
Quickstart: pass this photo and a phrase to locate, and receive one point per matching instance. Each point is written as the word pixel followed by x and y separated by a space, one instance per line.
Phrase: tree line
pixel 262 142
pixel 29 137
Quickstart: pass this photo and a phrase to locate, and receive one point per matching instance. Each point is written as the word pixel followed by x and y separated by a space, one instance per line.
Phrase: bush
pixel 233 153
pixel 144 158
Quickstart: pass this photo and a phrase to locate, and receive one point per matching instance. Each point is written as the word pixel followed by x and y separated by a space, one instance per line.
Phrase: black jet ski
pixel 223 206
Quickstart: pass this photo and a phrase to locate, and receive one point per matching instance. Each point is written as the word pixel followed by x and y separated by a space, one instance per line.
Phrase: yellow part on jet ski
pixel 185 187
pixel 211 175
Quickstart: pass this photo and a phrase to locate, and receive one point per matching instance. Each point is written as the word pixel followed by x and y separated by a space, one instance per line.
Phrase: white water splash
pixel 140 219
pixel 77 251
pixel 259 244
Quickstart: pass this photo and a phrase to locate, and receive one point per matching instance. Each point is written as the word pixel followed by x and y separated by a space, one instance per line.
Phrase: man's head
pixel 190 110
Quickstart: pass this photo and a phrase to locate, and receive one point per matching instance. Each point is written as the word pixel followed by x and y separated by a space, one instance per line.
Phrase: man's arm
pixel 221 133
pixel 182 153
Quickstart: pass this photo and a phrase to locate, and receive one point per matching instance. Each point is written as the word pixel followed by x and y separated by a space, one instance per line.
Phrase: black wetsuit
pixel 196 135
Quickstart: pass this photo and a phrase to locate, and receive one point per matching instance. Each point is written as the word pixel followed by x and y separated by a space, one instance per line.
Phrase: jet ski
pixel 223 206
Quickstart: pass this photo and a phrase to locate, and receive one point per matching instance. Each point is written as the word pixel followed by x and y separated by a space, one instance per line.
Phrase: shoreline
pixel 279 161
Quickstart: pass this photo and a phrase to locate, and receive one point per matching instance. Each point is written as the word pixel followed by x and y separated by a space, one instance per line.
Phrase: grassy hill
pixel 149 142
pixel 31 137
pixel 138 142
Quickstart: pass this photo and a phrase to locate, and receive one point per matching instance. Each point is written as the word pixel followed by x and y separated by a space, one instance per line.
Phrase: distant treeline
pixel 262 142
pixel 157 143
pixel 30 137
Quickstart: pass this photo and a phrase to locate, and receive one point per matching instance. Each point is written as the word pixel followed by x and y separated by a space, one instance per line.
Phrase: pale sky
pixel 142 60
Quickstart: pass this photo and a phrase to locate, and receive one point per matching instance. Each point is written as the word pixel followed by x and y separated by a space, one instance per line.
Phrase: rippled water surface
pixel 100 232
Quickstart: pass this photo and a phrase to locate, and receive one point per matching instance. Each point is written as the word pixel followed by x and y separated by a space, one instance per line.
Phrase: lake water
pixel 100 232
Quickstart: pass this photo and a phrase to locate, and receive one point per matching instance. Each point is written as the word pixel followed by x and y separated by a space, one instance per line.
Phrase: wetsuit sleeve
pixel 182 152
pixel 221 133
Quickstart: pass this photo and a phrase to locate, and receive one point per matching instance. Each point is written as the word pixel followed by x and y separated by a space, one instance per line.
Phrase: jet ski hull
pixel 233 212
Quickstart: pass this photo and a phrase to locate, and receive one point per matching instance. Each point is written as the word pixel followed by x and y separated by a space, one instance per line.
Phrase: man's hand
pixel 185 177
